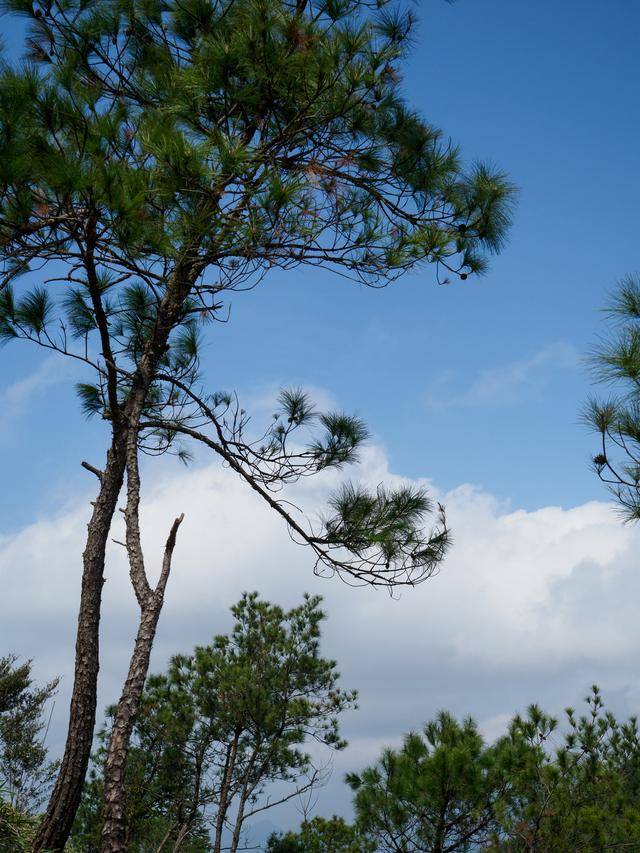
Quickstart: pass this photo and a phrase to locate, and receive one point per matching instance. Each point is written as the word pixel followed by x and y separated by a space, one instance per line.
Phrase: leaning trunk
pixel 114 824
pixel 55 827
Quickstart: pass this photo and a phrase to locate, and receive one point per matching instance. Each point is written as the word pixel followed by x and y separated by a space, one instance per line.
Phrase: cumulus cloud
pixel 529 606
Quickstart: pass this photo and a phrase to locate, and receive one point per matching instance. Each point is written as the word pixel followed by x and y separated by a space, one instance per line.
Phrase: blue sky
pixel 477 383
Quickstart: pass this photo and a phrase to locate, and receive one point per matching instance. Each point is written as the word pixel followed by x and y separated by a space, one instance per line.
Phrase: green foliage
pixel 438 792
pixel 156 156
pixel 146 830
pixel 14 682
pixel 223 725
pixel 535 789
pixel 376 537
pixel 541 787
pixel 25 772
pixel 151 145
pixel 232 137
pixel 585 795
pixel 91 400
pixel 388 518
pixel 17 830
pixel 320 835
pixel 616 362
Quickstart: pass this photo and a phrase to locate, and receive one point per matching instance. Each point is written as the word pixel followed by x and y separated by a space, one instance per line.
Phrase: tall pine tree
pixel 157 155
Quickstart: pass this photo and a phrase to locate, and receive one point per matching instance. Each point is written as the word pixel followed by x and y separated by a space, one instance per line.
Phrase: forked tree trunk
pixel 55 827
pixel 114 817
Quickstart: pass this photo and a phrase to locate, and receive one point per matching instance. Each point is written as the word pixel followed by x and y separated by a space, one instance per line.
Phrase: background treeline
pixel 535 789
pixel 224 733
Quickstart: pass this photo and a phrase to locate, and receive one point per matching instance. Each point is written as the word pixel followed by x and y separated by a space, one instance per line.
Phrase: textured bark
pixel 237 829
pixel 114 826
pixel 180 837
pixel 56 824
pixel 114 817
pixel 223 806
pixel 165 839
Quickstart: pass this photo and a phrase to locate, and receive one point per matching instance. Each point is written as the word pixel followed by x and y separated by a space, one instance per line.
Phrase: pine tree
pixel 222 734
pixel 438 792
pixel 616 362
pixel 156 156
pixel 26 774
pixel 320 835
pixel 541 788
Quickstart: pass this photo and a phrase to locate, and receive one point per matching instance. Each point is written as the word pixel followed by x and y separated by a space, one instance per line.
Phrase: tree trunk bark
pixel 114 822
pixel 114 816
pixel 239 820
pixel 193 811
pixel 55 827
pixel 224 792
pixel 180 837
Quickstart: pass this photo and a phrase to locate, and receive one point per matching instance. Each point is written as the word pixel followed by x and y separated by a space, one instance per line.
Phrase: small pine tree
pixel 26 774
pixel 437 792
pixel 320 835
pixel 221 735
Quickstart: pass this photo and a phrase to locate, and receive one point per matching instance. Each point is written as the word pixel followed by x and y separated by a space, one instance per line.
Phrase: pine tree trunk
pixel 223 805
pixel 114 824
pixel 114 811
pixel 193 811
pixel 55 827
pixel 239 820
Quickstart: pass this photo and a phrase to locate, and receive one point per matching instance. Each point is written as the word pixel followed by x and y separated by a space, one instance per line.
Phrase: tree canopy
pixel 220 736
pixel 158 155
pixel 538 788
pixel 320 835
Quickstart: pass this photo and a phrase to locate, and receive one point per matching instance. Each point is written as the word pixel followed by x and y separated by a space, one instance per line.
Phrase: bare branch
pixel 99 474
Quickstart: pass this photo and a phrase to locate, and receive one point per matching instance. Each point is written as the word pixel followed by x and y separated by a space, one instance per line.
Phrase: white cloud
pixel 505 384
pixel 529 606
pixel 15 398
